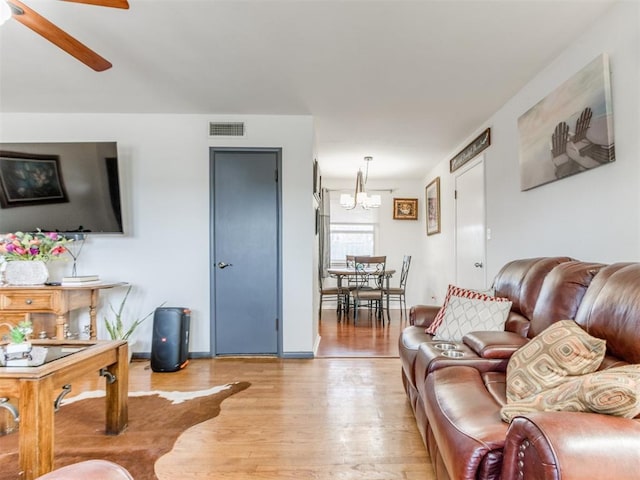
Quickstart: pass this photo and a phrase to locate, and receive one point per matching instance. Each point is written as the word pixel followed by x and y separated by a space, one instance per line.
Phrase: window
pixel 352 239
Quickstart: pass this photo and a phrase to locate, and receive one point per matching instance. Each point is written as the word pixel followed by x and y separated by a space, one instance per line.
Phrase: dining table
pixel 340 273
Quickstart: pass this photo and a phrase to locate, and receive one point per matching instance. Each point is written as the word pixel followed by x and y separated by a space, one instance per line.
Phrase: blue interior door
pixel 245 251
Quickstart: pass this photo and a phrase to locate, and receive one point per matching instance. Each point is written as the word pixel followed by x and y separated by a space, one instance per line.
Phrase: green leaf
pixel 116 326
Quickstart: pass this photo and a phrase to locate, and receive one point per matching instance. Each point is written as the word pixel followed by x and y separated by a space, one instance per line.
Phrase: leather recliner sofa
pixel 457 401
pixel 89 470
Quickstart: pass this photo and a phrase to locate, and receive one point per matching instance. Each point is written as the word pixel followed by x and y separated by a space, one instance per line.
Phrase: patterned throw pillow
pixel 458 292
pixel 464 315
pixel 615 391
pixel 562 350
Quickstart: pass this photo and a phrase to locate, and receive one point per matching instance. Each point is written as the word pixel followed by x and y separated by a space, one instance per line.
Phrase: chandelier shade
pixel 360 196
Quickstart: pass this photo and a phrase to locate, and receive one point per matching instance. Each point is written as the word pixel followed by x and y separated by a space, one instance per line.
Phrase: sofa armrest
pixel 571 446
pixel 423 315
pixel 494 344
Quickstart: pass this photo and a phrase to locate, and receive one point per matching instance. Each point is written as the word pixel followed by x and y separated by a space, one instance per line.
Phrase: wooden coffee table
pixel 37 388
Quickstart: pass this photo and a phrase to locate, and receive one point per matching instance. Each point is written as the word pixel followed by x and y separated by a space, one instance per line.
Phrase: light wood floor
pixel 332 417
pixel 368 338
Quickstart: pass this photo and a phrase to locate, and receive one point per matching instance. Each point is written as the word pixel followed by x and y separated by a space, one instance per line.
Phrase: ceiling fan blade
pixel 103 3
pixel 36 22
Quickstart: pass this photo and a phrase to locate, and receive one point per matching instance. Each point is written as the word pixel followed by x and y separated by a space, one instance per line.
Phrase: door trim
pixel 212 286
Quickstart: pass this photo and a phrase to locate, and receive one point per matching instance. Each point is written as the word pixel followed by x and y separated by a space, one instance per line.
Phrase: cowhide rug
pixel 156 419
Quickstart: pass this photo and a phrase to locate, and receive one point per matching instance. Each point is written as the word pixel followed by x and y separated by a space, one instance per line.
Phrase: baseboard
pixel 147 355
pixel 292 355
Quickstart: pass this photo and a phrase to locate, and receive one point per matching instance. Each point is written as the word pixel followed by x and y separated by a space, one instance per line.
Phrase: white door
pixel 470 227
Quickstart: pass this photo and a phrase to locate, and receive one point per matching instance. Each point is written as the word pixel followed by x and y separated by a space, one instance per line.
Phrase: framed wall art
pixel 317 181
pixel 405 209
pixel 432 196
pixel 570 130
pixel 30 179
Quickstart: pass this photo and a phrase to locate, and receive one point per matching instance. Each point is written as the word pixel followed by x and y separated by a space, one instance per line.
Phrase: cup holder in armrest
pixel 453 354
pixel 446 346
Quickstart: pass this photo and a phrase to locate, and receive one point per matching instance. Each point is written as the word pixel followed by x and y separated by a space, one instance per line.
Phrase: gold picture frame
pixel 432 200
pixel 405 209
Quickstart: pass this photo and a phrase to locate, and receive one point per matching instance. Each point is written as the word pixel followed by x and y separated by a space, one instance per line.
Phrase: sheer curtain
pixel 324 232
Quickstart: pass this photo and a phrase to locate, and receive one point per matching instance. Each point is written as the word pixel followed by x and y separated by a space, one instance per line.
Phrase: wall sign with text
pixel 481 142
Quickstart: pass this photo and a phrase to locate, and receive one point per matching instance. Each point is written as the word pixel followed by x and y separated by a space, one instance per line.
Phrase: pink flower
pixel 32 246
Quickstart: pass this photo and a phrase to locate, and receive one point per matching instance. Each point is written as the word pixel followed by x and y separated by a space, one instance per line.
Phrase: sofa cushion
pixel 562 350
pixel 610 310
pixel 464 315
pixel 452 290
pixel 615 391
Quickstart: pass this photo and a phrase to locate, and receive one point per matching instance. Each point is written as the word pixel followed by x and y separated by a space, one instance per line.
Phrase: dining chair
pixel 369 287
pixel 350 262
pixel 331 294
pixel 398 293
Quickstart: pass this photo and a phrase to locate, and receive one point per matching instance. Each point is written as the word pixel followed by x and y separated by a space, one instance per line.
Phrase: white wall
pixel 164 163
pixel 593 216
pixel 396 238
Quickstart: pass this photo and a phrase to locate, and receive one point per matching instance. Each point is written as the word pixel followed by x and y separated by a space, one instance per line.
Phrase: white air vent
pixel 226 129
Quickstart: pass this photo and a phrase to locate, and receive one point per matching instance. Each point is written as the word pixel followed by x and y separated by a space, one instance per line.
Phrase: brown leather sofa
pixel 457 401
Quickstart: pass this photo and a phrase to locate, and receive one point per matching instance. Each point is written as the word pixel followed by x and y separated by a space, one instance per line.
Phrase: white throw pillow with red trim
pixel 452 290
pixel 466 315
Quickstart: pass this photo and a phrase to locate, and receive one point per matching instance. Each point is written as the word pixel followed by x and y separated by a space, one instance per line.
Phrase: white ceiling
pixel 403 81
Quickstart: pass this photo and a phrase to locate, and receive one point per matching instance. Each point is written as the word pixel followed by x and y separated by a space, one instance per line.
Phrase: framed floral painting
pixel 405 209
pixel 432 194
pixel 29 179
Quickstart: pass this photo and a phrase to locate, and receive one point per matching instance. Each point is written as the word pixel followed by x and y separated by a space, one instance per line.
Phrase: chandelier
pixel 360 197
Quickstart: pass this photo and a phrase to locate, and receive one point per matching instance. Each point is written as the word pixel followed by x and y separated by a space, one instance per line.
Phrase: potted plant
pixel 19 352
pixel 18 338
pixel 118 328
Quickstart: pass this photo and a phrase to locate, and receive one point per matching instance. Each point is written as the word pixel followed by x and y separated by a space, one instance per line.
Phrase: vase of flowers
pixel 26 255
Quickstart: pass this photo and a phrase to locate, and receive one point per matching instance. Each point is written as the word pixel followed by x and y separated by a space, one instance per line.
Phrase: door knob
pixel 224 265
pixel 478 265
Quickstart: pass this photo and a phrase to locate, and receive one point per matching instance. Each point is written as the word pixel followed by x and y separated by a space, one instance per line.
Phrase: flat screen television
pixel 60 187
